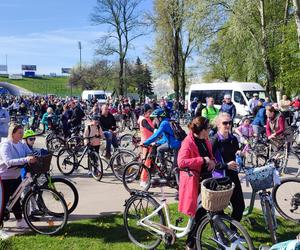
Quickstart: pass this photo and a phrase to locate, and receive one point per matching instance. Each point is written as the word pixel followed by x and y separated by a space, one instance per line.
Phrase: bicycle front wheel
pixel 95 165
pixel 137 208
pixel 269 214
pixel 208 237
pixel 54 145
pixel 286 197
pixel 67 190
pixel 136 177
pixel 45 211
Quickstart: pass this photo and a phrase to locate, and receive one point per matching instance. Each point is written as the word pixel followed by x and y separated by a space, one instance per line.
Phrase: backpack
pixel 89 128
pixel 178 131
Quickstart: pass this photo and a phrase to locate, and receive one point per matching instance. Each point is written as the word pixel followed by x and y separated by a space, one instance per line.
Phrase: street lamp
pixel 80 47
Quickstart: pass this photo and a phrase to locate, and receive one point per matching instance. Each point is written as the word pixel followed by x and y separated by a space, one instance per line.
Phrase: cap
pixel 227 96
pixel 255 94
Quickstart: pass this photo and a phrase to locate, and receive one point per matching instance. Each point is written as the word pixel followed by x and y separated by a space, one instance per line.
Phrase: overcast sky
pixel 46 34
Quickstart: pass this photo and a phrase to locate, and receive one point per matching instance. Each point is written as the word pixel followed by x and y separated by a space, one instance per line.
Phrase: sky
pixel 46 33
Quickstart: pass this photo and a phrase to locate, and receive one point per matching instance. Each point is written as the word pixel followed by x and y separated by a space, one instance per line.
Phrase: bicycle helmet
pixel 159 113
pixel 28 133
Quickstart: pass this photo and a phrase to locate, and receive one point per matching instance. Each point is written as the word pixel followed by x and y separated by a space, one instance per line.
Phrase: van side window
pixel 238 97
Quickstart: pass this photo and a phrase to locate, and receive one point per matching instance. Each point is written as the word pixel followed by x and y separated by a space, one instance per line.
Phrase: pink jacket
pixel 189 157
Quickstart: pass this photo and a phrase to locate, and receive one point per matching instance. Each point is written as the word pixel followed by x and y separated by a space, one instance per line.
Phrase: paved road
pixel 107 196
pixel 15 90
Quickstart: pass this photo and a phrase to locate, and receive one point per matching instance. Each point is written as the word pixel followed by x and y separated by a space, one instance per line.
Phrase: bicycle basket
pixel 41 166
pixel 216 193
pixel 261 178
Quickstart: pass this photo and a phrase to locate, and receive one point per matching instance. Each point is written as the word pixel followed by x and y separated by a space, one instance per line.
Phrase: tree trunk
pixel 264 51
pixel 121 76
pixel 183 79
pixel 176 63
pixel 297 17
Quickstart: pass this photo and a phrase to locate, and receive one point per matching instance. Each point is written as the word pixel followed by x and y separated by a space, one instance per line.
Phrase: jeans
pixel 111 139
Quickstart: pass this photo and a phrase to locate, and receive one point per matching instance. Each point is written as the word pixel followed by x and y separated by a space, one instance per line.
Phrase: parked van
pixel 241 93
pixel 90 94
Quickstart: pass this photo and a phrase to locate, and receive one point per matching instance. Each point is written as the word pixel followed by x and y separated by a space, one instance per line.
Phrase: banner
pixel 29 67
pixel 66 70
pixel 3 68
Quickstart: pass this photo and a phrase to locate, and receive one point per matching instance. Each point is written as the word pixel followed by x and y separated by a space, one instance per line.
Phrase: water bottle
pixel 239 161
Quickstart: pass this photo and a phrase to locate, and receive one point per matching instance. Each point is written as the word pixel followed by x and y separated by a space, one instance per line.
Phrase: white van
pixel 241 93
pixel 90 94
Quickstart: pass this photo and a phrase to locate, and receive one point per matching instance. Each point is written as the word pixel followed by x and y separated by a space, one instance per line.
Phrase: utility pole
pixel 6 63
pixel 80 47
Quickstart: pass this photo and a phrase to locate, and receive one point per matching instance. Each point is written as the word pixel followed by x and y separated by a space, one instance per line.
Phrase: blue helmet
pixel 159 113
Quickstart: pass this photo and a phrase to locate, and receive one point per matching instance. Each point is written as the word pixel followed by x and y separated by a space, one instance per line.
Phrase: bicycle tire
pixel 290 197
pixel 71 203
pixel 294 170
pixel 65 159
pixel 133 174
pixel 55 144
pixel 126 140
pixel 37 198
pixel 204 244
pixel 119 161
pixel 95 165
pixel 269 215
pixel 129 217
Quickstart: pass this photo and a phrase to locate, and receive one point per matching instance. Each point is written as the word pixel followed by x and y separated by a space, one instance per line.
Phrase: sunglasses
pixel 225 123
pixel 31 139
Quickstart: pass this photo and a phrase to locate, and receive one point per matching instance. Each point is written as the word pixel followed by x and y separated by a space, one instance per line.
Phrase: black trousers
pixel 9 187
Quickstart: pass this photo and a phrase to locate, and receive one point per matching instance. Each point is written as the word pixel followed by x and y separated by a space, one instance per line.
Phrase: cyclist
pixel 259 121
pixel 14 155
pixel 245 131
pixel 93 129
pixel 46 118
pixel 225 148
pixel 210 112
pixel 228 106
pixel 196 155
pixel 168 141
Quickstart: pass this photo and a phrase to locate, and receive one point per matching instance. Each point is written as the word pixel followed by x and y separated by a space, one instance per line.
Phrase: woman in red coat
pixel 196 155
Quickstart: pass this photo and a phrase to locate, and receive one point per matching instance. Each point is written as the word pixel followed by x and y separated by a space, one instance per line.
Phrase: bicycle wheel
pixel 286 197
pixel 269 214
pixel 45 211
pixel 258 160
pixel 119 162
pixel 208 237
pixel 136 176
pixel 66 189
pixel 65 162
pixel 126 141
pixel 75 145
pixel 95 165
pixel 137 208
pixel 55 144
pixel 291 164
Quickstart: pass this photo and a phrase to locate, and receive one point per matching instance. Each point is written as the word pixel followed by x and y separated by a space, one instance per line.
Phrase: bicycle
pixel 286 197
pixel 131 141
pixel 148 222
pixel 69 162
pixel 137 176
pixel 45 210
pixel 261 179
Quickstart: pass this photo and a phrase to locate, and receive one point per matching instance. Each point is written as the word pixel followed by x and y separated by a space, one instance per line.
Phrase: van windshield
pixel 218 95
pixel 249 94
pixel 100 96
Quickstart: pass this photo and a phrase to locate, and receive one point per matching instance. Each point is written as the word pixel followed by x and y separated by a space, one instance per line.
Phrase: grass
pixel 45 85
pixel 109 233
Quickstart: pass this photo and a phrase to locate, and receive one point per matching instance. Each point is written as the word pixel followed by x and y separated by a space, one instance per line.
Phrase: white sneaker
pixel 4 235
pixel 143 184
pixel 22 224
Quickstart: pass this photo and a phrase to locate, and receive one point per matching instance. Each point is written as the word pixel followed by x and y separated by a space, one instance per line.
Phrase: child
pixel 94 130
pixel 245 131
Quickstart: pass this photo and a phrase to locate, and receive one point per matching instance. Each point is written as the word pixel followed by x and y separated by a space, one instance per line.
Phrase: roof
pixel 227 86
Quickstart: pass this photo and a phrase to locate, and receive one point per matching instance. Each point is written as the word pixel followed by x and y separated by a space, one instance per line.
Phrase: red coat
pixel 189 156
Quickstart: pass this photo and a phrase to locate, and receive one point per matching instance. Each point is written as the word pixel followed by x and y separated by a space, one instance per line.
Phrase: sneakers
pixel 143 184
pixel 21 224
pixel 4 235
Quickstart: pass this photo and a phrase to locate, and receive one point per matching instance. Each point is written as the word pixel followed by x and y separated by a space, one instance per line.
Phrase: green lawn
pixel 45 85
pixel 108 233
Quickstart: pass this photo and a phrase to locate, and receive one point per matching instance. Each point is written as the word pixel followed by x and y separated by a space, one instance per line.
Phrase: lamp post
pixel 80 47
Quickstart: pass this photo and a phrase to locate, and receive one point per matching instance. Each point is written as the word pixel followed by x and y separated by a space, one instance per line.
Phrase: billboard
pixel 3 68
pixel 15 76
pixel 29 67
pixel 66 70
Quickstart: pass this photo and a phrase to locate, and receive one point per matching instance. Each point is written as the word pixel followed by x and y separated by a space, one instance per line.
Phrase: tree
pixel 123 20
pixel 297 17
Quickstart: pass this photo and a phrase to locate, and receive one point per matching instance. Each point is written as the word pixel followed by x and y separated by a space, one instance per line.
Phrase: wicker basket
pixel 41 166
pixel 261 178
pixel 215 201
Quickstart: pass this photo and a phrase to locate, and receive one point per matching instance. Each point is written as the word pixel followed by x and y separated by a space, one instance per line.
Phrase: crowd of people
pixel 208 150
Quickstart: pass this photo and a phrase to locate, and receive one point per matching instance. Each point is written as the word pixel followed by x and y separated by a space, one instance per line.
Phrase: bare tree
pixel 124 23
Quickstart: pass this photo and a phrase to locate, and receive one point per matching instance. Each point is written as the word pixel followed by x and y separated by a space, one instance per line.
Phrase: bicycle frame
pixel 161 229
pixel 16 195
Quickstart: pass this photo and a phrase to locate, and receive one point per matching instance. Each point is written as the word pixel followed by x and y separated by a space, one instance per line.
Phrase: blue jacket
pixel 229 108
pixel 260 118
pixel 167 134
